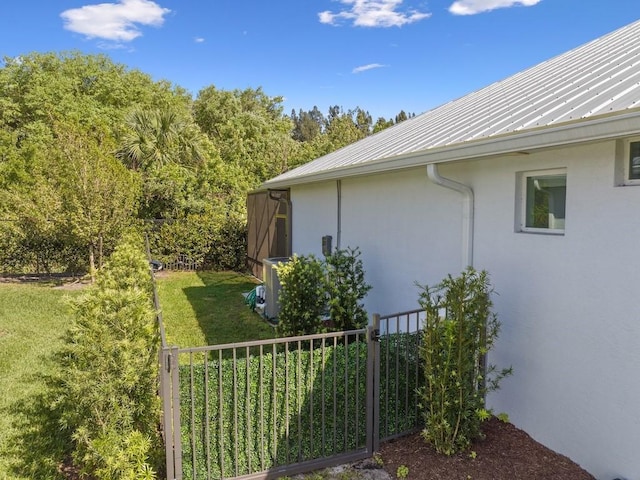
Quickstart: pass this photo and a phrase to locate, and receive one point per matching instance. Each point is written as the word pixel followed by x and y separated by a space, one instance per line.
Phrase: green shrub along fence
pixel 274 410
pixel 278 407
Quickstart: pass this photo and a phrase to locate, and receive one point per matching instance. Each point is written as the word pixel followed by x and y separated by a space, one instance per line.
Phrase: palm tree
pixel 164 147
pixel 157 138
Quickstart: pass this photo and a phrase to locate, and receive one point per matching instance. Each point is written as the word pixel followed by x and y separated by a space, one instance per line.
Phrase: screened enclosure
pixel 268 227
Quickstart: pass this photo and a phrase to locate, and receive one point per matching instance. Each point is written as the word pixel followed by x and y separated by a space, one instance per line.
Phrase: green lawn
pixel 199 309
pixel 33 320
pixel 207 308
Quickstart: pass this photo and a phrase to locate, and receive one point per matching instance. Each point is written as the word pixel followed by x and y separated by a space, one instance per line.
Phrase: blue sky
pixel 381 55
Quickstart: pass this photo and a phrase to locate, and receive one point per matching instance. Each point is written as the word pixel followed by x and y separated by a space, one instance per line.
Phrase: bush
pixel 314 291
pixel 228 245
pixel 108 371
pixel 303 297
pixel 284 409
pixel 459 331
pixel 346 289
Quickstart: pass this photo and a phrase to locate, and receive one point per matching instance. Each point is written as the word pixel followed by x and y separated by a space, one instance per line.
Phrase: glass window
pixel 634 161
pixel 545 201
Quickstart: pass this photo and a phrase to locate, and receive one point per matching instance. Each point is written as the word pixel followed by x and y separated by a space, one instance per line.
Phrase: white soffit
pixel 598 80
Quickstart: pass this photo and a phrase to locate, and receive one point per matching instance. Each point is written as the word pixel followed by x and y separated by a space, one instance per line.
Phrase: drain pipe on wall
pixel 339 213
pixel 467 213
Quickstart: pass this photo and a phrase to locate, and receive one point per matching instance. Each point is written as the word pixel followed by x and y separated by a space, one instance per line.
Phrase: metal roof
pixel 599 78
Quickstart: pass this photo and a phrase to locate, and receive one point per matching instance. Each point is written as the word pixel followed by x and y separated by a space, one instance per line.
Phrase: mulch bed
pixel 506 453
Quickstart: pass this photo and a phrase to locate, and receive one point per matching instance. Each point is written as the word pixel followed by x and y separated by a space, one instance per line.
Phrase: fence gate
pixel 273 408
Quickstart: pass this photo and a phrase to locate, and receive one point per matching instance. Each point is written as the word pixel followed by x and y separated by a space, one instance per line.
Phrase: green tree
pixel 32 232
pixel 97 192
pixel 249 130
pixel 363 121
pixel 347 288
pixel 342 129
pixel 157 138
pixel 44 88
pixel 402 116
pixel 303 298
pixel 381 124
pixel 307 124
pixel 167 150
pixel 46 99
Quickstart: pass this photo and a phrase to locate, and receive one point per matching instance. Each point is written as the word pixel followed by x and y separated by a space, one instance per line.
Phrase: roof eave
pixel 603 127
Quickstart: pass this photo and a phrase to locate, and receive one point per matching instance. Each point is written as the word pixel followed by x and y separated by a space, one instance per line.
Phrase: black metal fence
pixel 271 408
pixel 180 262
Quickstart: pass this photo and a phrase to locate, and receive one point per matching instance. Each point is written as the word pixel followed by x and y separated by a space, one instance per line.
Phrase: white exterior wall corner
pixel 570 319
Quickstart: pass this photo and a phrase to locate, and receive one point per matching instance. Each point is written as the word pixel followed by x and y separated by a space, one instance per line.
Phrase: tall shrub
pixel 109 369
pixel 346 289
pixel 303 297
pixel 314 291
pixel 459 330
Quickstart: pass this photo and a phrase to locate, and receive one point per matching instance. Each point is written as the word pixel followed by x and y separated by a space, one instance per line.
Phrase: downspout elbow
pixel 468 210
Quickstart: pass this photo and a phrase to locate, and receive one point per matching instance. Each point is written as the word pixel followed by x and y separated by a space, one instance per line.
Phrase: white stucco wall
pixel 313 215
pixel 392 220
pixel 570 319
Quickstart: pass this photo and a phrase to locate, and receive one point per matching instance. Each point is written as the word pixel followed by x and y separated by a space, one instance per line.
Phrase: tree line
pixel 89 148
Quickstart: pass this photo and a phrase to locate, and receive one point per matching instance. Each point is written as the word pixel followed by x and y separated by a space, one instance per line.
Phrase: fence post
pixel 164 358
pixel 170 395
pixel 175 407
pixel 373 385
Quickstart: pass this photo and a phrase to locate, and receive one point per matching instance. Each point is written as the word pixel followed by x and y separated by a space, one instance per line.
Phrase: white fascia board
pixel 567 134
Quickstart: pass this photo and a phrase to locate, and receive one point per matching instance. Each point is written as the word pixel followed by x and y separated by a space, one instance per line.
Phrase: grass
pixel 33 320
pixel 199 309
pixel 207 308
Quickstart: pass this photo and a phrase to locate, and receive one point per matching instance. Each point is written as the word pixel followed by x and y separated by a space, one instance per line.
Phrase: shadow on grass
pixel 221 311
pixel 40 446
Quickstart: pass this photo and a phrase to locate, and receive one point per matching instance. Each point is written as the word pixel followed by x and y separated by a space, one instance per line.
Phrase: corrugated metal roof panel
pixel 598 78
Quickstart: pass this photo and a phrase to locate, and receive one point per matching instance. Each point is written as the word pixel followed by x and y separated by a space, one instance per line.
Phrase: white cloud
pixel 198 40
pixel 372 13
pixel 370 66
pixel 471 7
pixel 114 21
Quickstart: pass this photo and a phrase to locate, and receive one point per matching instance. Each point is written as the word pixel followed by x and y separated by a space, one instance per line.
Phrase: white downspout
pixel 467 212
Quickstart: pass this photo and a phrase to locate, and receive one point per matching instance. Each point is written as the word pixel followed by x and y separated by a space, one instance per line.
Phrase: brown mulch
pixel 506 453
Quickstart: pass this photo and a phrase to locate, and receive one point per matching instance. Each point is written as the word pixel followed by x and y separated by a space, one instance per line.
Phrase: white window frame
pixel 627 162
pixel 522 198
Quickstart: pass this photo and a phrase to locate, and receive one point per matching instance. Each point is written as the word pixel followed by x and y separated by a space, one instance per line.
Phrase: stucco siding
pixel 570 319
pixel 393 219
pixel 314 214
pixel 402 238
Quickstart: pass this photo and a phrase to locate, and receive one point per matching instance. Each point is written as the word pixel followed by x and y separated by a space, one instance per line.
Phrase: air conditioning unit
pixel 271 285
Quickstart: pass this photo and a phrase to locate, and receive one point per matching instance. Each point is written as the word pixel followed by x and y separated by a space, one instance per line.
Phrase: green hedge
pixel 108 372
pixel 259 430
pixel 213 242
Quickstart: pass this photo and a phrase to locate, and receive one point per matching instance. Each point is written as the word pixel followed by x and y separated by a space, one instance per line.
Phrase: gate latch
pixel 375 335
